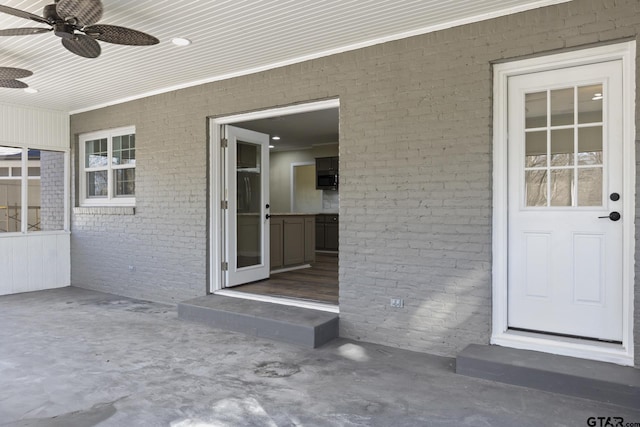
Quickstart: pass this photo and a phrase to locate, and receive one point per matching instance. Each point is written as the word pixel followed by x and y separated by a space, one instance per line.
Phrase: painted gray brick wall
pixel 415 195
pixel 51 190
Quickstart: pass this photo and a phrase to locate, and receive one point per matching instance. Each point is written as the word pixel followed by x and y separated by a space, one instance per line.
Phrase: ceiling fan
pixel 9 76
pixel 74 21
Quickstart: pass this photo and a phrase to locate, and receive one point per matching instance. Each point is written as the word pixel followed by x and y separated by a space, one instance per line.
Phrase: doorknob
pixel 613 216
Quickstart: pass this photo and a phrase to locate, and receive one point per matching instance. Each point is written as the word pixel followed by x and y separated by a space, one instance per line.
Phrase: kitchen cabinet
pixel 327 232
pixel 327 163
pixel 327 174
pixel 292 240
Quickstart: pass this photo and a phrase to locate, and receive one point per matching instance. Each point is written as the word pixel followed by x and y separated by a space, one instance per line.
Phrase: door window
pixel 564 147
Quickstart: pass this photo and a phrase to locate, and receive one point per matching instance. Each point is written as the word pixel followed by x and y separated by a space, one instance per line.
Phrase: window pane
pixel 125 182
pixel 590 146
pixel 33 171
pixel 16 172
pixel 562 107
pixel 590 104
pixel 536 110
pixel 4 171
pixel 562 147
pixel 97 184
pixel 10 192
pixel 124 150
pixel 561 187
pixel 96 154
pixel 536 149
pixel 47 194
pixel 590 187
pixel 536 188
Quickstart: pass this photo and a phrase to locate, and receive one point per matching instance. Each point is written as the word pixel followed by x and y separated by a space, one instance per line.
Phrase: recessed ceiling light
pixel 181 41
pixel 31 90
pixel 275 138
pixel 272 146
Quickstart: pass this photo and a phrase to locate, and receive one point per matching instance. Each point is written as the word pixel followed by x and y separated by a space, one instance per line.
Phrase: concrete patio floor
pixel 73 358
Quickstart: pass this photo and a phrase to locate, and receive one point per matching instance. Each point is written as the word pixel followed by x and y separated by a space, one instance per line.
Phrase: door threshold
pixel 563 346
pixel 330 308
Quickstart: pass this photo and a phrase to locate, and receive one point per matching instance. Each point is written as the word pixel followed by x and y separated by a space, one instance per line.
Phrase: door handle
pixel 267 216
pixel 613 216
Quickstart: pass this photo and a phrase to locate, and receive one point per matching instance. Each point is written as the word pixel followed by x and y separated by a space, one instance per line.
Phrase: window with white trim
pixel 108 167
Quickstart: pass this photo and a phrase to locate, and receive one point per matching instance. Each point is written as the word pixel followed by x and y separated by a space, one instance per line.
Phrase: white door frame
pixel 501 335
pixel 216 225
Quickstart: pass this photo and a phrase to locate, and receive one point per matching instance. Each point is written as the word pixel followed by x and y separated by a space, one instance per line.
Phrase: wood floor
pixel 318 283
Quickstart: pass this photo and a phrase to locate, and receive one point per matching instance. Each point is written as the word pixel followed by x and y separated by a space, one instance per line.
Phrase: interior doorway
pixel 285 213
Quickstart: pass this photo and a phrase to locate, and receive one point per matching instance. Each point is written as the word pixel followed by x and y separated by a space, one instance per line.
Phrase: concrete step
pixel 294 325
pixel 599 381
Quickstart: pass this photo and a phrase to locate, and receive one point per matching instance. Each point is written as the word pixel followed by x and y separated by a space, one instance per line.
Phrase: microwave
pixel 327 180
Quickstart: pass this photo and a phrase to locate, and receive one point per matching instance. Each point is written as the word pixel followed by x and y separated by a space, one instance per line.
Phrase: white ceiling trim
pixel 342 49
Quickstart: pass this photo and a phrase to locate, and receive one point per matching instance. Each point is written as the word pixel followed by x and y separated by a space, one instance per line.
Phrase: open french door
pixel 246 205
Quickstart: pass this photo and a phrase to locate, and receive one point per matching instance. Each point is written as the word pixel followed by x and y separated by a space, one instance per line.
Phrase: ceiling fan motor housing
pixel 64 30
pixel 49 13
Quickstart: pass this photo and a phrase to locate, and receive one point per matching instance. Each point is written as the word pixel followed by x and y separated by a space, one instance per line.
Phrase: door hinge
pixel 224 143
pixel 225 266
pixel 224 204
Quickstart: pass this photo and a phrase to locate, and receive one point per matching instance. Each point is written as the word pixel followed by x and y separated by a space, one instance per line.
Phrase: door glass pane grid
pixel 564 147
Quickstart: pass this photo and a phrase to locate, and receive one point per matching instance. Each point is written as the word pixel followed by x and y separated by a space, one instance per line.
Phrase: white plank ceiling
pixel 230 37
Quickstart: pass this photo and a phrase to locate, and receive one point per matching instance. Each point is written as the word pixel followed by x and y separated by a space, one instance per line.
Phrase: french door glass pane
pixel 249 204
pixel 536 188
pixel 562 110
pixel 97 184
pixel 561 187
pixel 590 187
pixel 590 104
pixel 11 192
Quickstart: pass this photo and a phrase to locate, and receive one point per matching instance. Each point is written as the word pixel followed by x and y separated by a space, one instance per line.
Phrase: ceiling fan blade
pixel 23 31
pixel 120 35
pixel 83 46
pixel 13 84
pixel 80 12
pixel 7 73
pixel 22 14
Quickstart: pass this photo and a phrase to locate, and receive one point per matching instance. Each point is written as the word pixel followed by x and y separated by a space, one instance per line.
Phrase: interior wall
pixel 306 199
pixel 280 172
pixel 415 169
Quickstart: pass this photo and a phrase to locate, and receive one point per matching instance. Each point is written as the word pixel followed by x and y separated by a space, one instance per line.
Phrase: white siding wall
pixel 36 261
pixel 33 127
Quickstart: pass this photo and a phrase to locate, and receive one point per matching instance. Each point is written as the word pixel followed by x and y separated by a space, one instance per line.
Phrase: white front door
pixel 246 185
pixel 565 189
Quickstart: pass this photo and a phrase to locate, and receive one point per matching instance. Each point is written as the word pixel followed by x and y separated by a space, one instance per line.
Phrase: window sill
pixel 104 210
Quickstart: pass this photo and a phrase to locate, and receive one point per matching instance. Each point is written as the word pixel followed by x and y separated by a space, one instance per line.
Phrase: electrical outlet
pixel 397 302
